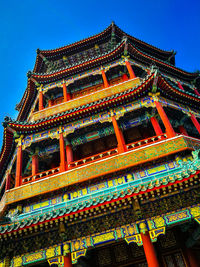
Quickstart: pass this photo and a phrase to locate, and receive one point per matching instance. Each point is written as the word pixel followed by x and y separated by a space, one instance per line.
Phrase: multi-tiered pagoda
pixel 102 166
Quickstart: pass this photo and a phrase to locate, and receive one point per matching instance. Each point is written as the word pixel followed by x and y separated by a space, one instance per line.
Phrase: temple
pixel 101 167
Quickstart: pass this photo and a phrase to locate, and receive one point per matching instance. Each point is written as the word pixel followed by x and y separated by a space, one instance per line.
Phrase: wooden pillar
pixel 169 130
pixel 66 94
pixel 182 130
pixel 50 103
pixel 119 136
pixel 124 77
pixel 191 257
pixel 68 260
pixel 156 126
pixel 195 122
pixel 130 70
pixel 180 86
pixel 62 153
pixel 41 106
pixel 196 92
pixel 69 154
pixel 34 164
pixel 8 178
pixel 18 166
pixel 149 250
pixel 105 81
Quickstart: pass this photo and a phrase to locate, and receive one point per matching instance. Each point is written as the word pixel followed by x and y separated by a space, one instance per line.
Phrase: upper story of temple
pixel 91 108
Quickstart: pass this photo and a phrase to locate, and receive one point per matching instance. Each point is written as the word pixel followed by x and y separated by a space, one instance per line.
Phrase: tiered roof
pixel 118 43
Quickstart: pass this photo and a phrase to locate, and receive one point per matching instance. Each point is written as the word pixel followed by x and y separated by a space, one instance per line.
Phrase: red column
pixel 62 153
pixel 196 92
pixel 105 81
pixel 41 100
pixel 119 136
pixel 191 258
pixel 130 70
pixel 149 250
pixel 68 260
pixel 18 167
pixel 195 122
pixel 180 86
pixel 182 130
pixel 69 154
pixel 34 164
pixel 156 126
pixel 8 182
pixel 66 94
pixel 169 130
pixel 50 103
pixel 124 77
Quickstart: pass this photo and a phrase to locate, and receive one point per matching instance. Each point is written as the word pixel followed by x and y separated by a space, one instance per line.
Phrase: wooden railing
pixel 146 141
pixel 85 99
pixel 40 175
pixel 92 158
pixel 86 91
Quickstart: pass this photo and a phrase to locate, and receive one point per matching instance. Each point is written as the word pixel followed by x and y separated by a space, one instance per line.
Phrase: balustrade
pixel 40 175
pixel 146 141
pixel 93 158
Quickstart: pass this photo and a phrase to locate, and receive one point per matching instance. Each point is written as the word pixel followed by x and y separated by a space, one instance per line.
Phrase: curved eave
pixel 70 47
pixel 50 122
pixel 163 66
pixel 31 91
pixel 175 92
pixel 80 67
pixel 139 42
pixel 6 149
pixel 141 56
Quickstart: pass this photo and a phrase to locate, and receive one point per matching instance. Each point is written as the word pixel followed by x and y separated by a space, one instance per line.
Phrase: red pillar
pixel 130 70
pixel 34 164
pixel 62 153
pixel 182 130
pixel 180 86
pixel 41 100
pixel 195 122
pixel 119 136
pixel 68 260
pixel 18 167
pixel 156 126
pixel 50 103
pixel 149 250
pixel 105 81
pixel 169 130
pixel 69 154
pixel 191 258
pixel 196 92
pixel 8 182
pixel 66 94
pixel 124 77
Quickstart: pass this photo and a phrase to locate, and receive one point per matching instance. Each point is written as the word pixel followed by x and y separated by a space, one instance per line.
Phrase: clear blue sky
pixel 47 24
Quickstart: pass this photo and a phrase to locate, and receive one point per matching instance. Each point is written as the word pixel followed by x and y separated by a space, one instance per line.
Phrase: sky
pixel 26 25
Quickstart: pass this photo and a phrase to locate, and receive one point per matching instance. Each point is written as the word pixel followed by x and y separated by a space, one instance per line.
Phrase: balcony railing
pixel 93 158
pixel 85 99
pixel 146 141
pixel 138 153
pixel 40 175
